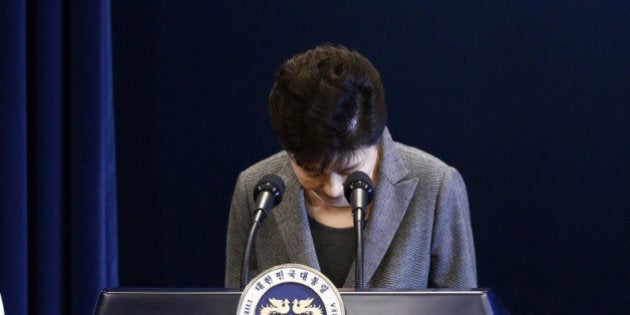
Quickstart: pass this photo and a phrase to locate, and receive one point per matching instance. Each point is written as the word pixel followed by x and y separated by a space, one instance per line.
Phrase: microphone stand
pixel 268 193
pixel 251 240
pixel 358 213
pixel 358 191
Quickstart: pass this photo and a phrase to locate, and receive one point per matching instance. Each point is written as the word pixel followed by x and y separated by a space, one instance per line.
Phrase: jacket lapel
pixel 392 196
pixel 292 222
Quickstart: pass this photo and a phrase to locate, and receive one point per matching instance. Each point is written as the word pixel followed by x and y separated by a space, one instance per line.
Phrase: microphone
pixel 359 192
pixel 267 193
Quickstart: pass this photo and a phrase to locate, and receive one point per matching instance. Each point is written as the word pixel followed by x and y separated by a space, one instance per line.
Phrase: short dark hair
pixel 325 104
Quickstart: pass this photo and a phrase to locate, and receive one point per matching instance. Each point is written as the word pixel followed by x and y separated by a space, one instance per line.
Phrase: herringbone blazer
pixel 418 234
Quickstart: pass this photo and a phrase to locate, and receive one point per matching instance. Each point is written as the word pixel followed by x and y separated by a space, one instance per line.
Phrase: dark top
pixel 335 250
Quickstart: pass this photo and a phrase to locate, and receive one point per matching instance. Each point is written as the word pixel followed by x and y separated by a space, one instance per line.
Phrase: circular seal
pixel 290 289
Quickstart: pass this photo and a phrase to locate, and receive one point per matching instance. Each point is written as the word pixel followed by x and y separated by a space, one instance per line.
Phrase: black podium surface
pixel 141 301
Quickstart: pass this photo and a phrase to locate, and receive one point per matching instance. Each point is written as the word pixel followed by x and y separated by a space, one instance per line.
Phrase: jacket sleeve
pixel 237 231
pixel 453 262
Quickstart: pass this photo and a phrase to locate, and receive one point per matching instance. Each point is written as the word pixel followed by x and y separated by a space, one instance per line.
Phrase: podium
pixel 141 301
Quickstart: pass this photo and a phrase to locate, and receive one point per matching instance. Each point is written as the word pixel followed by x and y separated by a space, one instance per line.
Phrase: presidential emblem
pixel 290 289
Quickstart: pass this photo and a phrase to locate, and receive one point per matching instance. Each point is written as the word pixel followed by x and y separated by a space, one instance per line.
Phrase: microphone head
pixel 271 183
pixel 359 180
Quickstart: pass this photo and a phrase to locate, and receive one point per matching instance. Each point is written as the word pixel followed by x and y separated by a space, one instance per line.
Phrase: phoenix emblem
pixel 299 307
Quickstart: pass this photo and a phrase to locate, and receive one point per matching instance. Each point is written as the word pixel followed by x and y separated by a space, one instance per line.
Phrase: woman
pixel 328 109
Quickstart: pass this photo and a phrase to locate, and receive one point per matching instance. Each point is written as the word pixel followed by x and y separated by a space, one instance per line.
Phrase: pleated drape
pixel 58 221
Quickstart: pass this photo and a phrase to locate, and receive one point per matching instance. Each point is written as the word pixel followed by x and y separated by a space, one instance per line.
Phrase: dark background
pixel 528 99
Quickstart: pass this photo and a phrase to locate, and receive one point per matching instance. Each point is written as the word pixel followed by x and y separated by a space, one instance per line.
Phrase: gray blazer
pixel 418 235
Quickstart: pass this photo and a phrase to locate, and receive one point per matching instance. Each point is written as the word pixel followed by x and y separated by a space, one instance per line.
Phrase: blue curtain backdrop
pixel 58 221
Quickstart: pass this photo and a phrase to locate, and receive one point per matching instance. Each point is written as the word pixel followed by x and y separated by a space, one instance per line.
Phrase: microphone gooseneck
pixel 267 194
pixel 359 192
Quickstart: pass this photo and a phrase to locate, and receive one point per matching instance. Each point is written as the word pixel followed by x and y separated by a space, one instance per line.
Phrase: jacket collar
pixel 393 193
pixel 297 238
